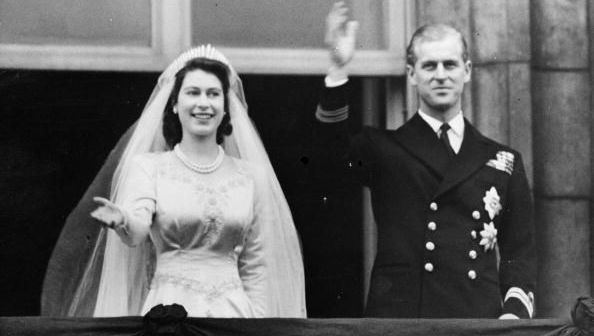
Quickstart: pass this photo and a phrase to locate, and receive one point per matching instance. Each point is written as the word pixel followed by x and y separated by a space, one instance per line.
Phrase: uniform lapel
pixel 417 137
pixel 474 153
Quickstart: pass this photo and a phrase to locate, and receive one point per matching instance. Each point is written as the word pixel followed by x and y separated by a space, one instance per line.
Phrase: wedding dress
pixel 221 247
pixel 206 235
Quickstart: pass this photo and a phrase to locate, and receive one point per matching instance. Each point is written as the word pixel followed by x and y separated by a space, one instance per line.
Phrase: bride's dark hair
pixel 172 130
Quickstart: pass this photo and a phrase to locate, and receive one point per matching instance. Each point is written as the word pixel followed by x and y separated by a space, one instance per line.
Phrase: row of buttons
pixel 432 226
pixel 429 268
pixel 472 253
pixel 430 246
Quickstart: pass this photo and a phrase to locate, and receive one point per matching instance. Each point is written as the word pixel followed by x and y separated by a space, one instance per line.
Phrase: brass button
pixel 472 254
pixel 430 246
pixel 476 215
pixel 432 226
pixel 471 275
pixel 429 267
pixel 473 234
pixel 433 206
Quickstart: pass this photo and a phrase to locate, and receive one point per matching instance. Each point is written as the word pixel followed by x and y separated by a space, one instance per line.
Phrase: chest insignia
pixel 492 202
pixel 488 236
pixel 503 161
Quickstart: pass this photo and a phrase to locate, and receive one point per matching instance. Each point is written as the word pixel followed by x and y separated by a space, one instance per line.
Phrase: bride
pixel 195 214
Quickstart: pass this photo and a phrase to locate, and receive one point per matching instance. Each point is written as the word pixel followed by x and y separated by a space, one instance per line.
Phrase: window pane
pixel 75 22
pixel 279 23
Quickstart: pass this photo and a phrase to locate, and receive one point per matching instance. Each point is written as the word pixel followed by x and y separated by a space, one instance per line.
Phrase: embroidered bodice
pixel 204 230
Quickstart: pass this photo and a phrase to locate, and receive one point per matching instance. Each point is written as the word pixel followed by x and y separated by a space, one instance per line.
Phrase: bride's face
pixel 200 104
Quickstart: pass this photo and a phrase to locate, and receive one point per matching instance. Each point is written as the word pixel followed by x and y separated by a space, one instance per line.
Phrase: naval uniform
pixel 455 236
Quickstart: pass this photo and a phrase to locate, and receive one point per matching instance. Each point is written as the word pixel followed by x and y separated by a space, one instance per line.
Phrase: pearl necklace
pixel 202 169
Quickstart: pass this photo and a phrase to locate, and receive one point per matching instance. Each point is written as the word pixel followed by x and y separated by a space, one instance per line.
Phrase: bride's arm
pixel 252 259
pixel 252 270
pixel 131 218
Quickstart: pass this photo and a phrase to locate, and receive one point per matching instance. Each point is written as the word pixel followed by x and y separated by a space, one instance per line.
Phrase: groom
pixel 452 207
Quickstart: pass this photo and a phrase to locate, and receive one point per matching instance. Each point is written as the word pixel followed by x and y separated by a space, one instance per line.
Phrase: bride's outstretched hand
pixel 108 213
pixel 340 34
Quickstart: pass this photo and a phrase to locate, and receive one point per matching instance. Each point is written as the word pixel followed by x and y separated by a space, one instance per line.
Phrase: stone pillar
pixel 500 40
pixel 591 29
pixel 562 152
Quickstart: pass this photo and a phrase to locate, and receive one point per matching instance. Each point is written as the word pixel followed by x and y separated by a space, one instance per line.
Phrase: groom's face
pixel 439 74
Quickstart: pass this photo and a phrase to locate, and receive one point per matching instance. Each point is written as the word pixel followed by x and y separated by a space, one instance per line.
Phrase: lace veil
pixel 92 273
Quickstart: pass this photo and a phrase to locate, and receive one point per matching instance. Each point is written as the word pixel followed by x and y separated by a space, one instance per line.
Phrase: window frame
pixel 171 34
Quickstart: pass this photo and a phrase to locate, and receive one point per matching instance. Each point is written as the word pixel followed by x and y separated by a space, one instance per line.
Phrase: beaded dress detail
pixel 206 236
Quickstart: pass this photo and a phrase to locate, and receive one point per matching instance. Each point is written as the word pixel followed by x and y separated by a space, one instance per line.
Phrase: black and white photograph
pixel 312 167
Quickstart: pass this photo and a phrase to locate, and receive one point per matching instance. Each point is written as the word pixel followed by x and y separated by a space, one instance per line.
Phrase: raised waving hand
pixel 341 34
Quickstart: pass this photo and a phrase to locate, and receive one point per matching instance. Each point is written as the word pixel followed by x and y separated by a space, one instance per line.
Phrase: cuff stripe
pixel 508 316
pixel 519 294
pixel 333 115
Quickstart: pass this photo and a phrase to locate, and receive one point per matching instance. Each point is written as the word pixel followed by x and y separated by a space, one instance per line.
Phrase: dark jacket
pixel 430 212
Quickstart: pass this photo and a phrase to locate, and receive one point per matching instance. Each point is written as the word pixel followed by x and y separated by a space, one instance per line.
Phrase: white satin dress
pixel 206 235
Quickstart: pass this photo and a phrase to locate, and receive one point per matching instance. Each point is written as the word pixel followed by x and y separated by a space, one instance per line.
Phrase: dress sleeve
pixel 252 263
pixel 252 268
pixel 137 201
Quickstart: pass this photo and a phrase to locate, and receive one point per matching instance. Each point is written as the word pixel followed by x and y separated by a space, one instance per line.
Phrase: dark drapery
pixel 344 327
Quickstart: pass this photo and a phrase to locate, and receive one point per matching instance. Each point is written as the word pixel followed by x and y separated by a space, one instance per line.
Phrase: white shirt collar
pixel 456 124
pixel 456 132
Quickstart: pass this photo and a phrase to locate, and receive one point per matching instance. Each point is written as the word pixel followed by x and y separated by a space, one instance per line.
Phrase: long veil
pixel 92 273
